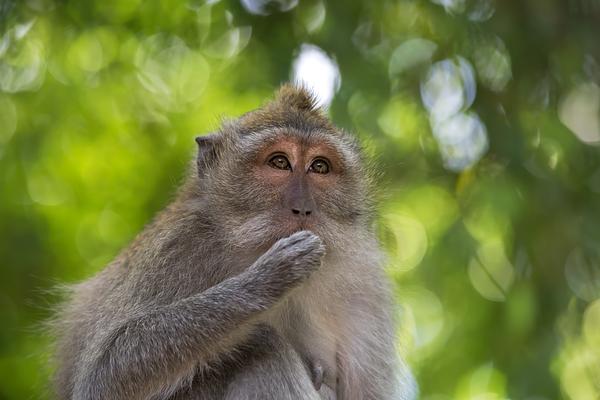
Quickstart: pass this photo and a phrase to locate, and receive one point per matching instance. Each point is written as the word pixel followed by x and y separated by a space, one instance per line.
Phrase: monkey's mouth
pixel 292 226
pixel 262 230
pixel 285 227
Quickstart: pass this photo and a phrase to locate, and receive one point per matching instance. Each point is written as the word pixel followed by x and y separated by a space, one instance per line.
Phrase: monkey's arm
pixel 149 353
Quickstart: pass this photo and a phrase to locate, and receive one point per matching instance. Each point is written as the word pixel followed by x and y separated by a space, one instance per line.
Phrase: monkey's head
pixel 284 168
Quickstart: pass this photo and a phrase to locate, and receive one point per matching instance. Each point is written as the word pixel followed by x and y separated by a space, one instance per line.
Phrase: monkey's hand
pixel 289 262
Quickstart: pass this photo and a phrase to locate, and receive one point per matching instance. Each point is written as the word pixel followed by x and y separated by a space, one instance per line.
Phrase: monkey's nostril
pixel 304 213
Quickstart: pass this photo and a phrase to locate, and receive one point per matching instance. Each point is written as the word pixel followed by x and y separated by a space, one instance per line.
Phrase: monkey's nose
pixel 303 212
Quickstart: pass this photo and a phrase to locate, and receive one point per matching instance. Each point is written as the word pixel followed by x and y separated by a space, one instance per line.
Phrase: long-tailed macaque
pixel 262 280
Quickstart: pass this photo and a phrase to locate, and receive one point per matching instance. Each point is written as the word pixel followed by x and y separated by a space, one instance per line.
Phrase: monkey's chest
pixel 312 333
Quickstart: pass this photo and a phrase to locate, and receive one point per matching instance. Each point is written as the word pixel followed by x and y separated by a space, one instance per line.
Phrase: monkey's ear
pixel 207 153
pixel 297 97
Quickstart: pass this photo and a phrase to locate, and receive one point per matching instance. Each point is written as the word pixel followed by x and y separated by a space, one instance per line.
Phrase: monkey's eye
pixel 320 166
pixel 280 162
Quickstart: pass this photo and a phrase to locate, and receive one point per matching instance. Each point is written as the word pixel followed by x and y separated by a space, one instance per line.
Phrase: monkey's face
pixel 295 177
pixel 286 180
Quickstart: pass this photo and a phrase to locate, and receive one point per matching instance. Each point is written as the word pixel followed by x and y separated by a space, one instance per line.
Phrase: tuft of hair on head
pixel 296 96
pixel 293 106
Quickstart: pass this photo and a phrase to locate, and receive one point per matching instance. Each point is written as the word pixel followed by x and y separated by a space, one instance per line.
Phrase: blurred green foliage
pixel 483 115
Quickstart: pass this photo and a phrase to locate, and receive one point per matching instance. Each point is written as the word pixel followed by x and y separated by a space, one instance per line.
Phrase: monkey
pixel 263 279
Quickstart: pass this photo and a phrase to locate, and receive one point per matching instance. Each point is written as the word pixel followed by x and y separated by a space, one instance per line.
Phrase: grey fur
pixel 216 300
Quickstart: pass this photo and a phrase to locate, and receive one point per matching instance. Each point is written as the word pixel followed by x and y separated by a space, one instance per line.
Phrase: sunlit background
pixel 483 116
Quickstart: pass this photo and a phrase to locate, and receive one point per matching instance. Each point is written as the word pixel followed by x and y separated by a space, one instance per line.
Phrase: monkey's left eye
pixel 320 166
pixel 280 162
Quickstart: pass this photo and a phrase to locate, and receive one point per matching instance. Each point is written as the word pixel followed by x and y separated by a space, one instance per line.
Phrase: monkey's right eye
pixel 280 162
